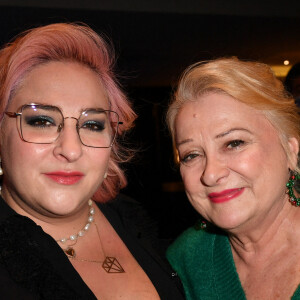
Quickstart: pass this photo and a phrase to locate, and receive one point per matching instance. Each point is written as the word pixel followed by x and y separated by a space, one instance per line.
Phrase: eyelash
pixel 189 157
pixel 234 144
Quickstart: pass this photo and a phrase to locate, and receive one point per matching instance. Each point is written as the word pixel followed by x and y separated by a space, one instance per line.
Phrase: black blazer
pixel 33 266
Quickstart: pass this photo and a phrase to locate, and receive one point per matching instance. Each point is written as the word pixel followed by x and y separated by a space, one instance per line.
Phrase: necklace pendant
pixel 112 265
pixel 70 252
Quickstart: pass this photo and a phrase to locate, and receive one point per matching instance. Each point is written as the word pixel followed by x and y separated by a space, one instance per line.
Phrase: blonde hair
pixel 251 83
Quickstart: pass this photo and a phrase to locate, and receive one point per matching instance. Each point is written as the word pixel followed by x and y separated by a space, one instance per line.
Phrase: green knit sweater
pixel 203 260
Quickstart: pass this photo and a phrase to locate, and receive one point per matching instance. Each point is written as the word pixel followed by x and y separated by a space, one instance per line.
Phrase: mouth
pixel 65 178
pixel 225 195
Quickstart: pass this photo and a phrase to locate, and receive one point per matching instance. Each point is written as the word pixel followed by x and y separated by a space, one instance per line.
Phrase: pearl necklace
pixel 110 263
pixel 74 237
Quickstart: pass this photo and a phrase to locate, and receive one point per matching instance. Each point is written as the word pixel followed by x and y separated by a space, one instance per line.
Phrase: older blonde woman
pixel 236 133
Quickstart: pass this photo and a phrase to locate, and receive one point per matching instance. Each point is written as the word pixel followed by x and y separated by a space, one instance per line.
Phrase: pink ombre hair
pixel 74 43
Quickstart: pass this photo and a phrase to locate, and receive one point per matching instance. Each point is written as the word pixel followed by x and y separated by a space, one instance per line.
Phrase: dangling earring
pixel 292 198
pixel 1 171
pixel 105 175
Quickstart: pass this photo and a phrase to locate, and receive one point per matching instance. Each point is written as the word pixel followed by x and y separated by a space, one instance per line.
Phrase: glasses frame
pixel 114 125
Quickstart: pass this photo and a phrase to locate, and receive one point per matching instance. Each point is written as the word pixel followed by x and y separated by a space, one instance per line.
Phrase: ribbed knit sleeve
pixel 204 262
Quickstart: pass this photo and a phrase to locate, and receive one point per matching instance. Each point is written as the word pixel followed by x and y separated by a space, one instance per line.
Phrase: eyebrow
pixel 93 108
pixel 217 136
pixel 60 108
pixel 184 142
pixel 230 131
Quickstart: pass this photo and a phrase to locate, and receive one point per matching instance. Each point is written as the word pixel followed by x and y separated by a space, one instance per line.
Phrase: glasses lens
pixel 95 128
pixel 39 124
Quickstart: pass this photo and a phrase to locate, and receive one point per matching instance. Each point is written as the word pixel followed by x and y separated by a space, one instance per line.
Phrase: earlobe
pixel 294 151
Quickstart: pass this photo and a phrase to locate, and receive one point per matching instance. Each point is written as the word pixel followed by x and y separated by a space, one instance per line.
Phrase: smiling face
pixel 233 165
pixel 53 179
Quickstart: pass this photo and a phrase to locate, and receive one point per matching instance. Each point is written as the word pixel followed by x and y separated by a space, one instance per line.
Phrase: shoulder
pixel 5 211
pixel 194 246
pixel 191 239
pixel 12 290
pixel 192 257
pixel 131 215
pixel 186 242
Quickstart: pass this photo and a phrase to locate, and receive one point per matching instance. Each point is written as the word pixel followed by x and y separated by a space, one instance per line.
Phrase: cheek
pixel 261 164
pixel 191 177
pixel 13 150
pixel 248 163
pixel 195 192
pixel 99 159
pixel 22 157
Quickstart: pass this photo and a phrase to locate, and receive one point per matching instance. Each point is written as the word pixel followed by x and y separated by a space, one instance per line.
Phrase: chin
pixel 63 205
pixel 229 221
pixel 59 210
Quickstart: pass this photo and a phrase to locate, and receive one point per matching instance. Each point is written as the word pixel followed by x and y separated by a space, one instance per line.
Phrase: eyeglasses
pixel 42 124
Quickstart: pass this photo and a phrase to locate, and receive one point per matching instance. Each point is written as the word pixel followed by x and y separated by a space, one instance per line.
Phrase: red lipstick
pixel 225 195
pixel 66 178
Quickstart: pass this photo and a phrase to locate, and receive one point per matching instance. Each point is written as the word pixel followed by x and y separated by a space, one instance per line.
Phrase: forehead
pixel 67 85
pixel 215 114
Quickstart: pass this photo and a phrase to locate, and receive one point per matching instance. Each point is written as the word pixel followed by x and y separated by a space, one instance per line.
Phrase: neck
pixel 276 232
pixel 57 226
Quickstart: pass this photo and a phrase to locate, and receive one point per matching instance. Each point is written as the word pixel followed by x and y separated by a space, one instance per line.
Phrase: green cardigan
pixel 203 260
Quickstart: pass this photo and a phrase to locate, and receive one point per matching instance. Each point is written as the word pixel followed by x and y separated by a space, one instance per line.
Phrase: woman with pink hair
pixel 62 117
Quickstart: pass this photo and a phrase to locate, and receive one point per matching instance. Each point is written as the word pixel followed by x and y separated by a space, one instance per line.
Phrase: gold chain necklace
pixel 110 263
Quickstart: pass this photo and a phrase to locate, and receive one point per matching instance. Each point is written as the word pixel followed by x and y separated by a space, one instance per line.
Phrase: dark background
pixel 154 42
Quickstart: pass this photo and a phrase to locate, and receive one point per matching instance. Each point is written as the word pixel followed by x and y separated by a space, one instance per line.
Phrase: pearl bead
pixel 73 237
pixel 82 232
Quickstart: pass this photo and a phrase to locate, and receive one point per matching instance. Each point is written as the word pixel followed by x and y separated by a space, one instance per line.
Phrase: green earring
pixel 292 198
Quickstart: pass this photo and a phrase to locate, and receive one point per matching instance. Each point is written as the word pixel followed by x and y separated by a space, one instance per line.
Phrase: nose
pixel 68 145
pixel 215 171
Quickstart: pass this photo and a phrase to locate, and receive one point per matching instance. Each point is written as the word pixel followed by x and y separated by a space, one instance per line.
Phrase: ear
pixel 293 146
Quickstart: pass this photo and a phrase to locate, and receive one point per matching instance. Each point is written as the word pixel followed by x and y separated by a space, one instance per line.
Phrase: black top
pixel 33 266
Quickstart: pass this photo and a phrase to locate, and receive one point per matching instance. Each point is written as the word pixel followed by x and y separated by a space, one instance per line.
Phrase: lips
pixel 225 195
pixel 66 178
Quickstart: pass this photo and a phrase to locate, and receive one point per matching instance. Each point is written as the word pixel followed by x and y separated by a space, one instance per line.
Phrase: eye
pixel 93 126
pixel 190 158
pixel 235 144
pixel 40 121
